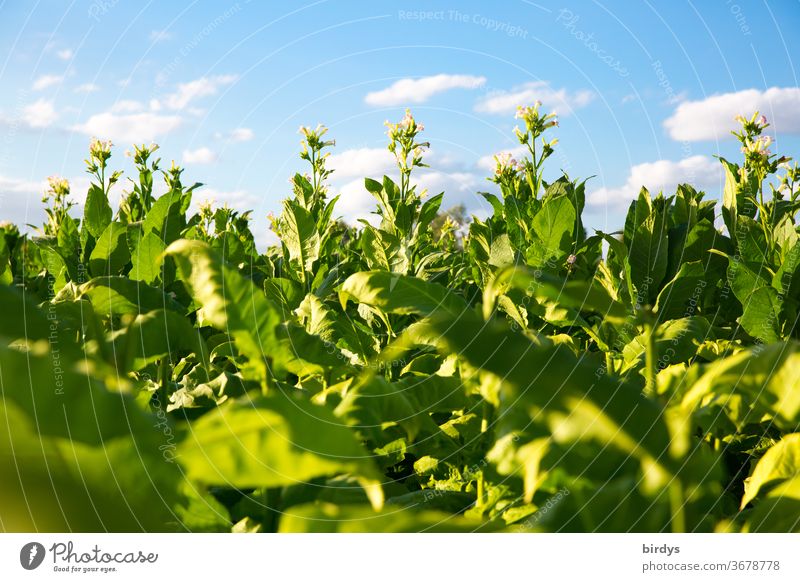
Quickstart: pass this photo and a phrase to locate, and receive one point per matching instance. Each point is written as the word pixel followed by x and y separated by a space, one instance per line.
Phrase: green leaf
pixel 156 335
pixel 271 442
pixel 581 404
pixel 383 250
pixel 166 218
pixel 554 225
pixel 401 294
pixel 779 463
pixel 111 253
pixel 648 247
pixel 683 295
pixel 66 403
pixel 677 340
pixel 120 296
pixel 300 237
pixel 331 518
pixel 761 317
pixel 96 212
pixel 582 295
pixel 779 511
pixel 752 384
pixel 229 302
pixel 147 258
pixel 374 402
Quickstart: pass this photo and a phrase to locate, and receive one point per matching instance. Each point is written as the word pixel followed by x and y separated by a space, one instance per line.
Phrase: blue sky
pixel 645 91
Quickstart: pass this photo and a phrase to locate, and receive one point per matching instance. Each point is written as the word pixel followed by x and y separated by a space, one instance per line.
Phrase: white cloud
pixel 127 106
pixel 160 35
pixel 200 156
pixel 240 134
pixel 699 171
pixel 39 114
pixel 18 186
pixel 192 90
pixel 87 88
pixel 65 54
pixel 554 100
pixel 713 118
pixel 361 162
pixel 129 128
pixel 420 90
pixel 45 81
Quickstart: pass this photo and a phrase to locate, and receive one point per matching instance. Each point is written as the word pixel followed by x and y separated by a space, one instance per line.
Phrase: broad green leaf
pixel 582 404
pixel 501 254
pixel 779 511
pixel 111 253
pixel 374 401
pixel 683 295
pixel 779 463
pixel 677 340
pixel 761 317
pixel 581 295
pixel 402 294
pixel 554 225
pixel 329 518
pixel 147 258
pixel 121 484
pixel 65 403
pixel 96 212
pixel 648 248
pixel 300 237
pixel 157 334
pixel 120 296
pixel 229 302
pixel 751 242
pixel 766 378
pixel 271 442
pixel 383 250
pixel 166 218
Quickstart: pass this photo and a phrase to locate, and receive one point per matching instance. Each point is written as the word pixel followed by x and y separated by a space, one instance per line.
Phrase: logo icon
pixel 31 555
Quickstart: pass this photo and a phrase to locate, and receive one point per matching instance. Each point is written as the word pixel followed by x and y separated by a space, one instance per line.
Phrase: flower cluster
pixel 58 204
pixel 535 123
pixel 524 178
pixel 753 126
pixel 404 145
pixel 313 144
pixel 58 188
pixel 141 153
pixel 755 147
pixel 506 167
pixel 100 151
pixel 312 138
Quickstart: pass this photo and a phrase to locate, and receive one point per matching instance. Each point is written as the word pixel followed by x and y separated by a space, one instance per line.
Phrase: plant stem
pixel 651 357
pixel 678 521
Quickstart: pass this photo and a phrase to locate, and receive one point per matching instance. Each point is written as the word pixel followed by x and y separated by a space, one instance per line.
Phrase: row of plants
pixel 410 373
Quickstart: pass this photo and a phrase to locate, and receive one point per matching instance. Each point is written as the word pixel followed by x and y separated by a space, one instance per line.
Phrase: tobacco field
pixel 414 373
